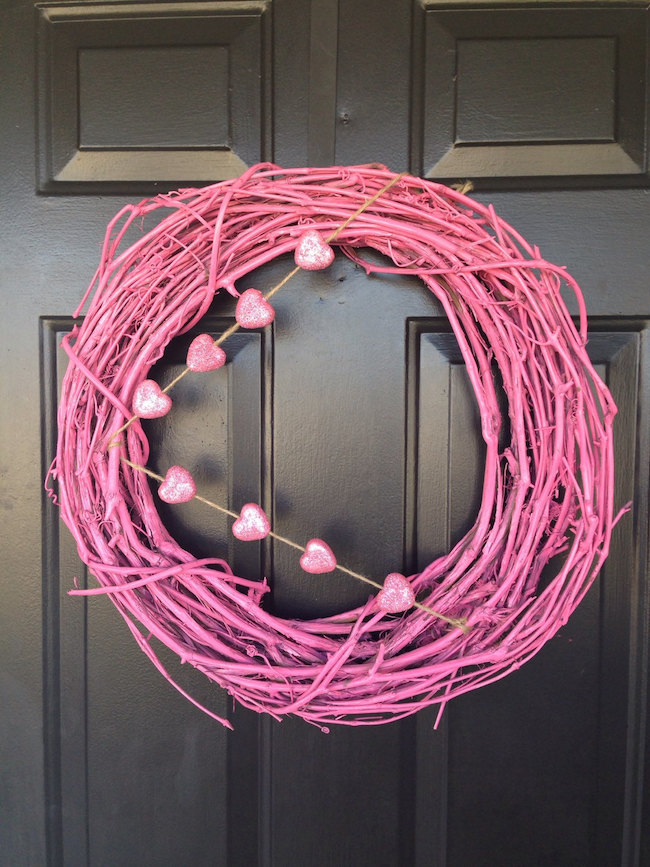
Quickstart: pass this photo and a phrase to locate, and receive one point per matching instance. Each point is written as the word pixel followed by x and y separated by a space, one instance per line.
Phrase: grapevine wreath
pixel 468 618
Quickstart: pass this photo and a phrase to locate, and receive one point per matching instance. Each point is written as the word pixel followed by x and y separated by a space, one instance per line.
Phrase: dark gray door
pixel 544 106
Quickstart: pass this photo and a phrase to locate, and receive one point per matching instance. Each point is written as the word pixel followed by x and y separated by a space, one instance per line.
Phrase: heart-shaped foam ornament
pixel 312 252
pixel 204 355
pixel 396 595
pixel 178 486
pixel 251 524
pixel 318 557
pixel 149 401
pixel 253 310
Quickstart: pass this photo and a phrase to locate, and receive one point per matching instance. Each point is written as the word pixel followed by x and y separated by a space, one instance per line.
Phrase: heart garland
pixel 253 310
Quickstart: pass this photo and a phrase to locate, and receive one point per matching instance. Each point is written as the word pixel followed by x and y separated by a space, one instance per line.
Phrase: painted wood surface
pixel 353 414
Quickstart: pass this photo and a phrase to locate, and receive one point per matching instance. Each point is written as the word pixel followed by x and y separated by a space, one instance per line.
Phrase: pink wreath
pixel 481 610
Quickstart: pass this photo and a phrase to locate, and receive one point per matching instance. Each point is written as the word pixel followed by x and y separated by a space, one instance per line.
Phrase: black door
pixel 544 107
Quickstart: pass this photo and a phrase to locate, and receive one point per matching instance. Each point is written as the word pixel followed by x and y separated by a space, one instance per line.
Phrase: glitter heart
pixel 149 401
pixel 251 524
pixel 178 486
pixel 318 557
pixel 253 310
pixel 312 252
pixel 397 594
pixel 204 355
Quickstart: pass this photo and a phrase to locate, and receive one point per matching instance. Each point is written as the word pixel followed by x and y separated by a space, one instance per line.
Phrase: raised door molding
pixel 151 95
pixel 530 91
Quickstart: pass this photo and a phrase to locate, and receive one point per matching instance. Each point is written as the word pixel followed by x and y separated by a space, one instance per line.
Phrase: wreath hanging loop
pixel 548 478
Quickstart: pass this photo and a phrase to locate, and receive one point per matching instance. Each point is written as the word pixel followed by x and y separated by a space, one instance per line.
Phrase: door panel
pixel 539 92
pixel 352 418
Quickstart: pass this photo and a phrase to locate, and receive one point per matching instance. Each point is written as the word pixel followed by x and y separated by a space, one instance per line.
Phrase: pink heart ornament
pixel 396 595
pixel 253 310
pixel 178 486
pixel 318 557
pixel 203 355
pixel 312 252
pixel 251 524
pixel 149 401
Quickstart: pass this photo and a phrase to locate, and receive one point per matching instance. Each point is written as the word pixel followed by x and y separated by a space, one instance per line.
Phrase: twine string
pixel 456 622
pixel 236 326
pixel 461 623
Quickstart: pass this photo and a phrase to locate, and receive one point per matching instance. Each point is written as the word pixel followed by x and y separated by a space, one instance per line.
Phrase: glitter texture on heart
pixel 178 486
pixel 203 355
pixel 312 252
pixel 252 524
pixel 396 595
pixel 318 557
pixel 253 310
pixel 149 401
